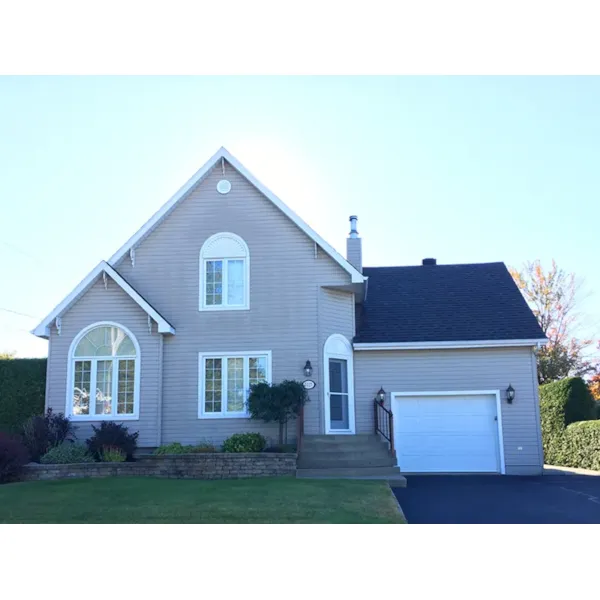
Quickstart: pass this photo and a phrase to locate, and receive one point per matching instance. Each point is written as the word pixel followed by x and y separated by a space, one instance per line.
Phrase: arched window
pixel 104 369
pixel 224 273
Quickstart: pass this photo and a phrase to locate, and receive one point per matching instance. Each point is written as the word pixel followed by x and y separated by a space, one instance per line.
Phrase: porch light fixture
pixel 308 369
pixel 510 394
pixel 381 395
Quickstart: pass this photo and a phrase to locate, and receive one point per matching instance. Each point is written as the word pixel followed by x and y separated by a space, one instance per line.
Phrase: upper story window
pixel 224 273
pixel 104 374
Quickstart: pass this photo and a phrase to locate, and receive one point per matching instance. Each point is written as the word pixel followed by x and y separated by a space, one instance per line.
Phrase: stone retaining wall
pixel 174 466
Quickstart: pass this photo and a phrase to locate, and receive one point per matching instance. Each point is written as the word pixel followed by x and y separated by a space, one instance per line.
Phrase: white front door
pixel 338 385
pixel 447 432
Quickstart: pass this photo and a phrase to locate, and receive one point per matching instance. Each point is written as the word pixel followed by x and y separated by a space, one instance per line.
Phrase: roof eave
pixel 42 330
pixel 451 345
pixel 355 275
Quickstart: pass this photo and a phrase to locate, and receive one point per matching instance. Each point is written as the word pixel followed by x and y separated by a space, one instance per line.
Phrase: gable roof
pixel 445 303
pixel 43 329
pixel 222 153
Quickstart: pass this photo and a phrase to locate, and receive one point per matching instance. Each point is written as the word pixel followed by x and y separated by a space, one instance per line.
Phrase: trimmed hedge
pixel 581 446
pixel 22 391
pixel 568 414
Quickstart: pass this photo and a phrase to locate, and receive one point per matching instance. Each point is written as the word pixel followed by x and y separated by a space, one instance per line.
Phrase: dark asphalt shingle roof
pixel 439 303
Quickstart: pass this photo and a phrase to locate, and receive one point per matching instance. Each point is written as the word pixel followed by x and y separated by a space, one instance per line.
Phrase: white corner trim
pixel 450 345
pixel 221 154
pixel 495 393
pixel 43 329
pixel 137 383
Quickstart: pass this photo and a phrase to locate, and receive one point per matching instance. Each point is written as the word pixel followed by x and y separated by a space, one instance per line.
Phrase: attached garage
pixel 448 432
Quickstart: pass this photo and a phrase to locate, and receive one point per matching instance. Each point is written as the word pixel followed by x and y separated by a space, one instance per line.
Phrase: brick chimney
pixel 354 245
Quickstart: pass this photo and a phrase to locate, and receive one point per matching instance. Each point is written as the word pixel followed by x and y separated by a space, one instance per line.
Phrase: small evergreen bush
pixel 245 442
pixel 113 435
pixel 67 453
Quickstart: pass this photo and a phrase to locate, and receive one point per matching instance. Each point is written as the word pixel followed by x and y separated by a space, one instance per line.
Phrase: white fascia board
pixel 43 329
pixel 451 345
pixel 356 276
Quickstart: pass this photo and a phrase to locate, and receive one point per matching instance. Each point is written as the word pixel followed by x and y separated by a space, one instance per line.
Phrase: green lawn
pixel 150 500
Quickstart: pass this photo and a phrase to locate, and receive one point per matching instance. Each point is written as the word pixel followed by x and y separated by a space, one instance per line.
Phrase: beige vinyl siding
pixel 460 370
pixel 286 275
pixel 111 304
pixel 336 315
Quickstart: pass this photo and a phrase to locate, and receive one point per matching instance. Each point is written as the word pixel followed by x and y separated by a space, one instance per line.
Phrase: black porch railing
pixel 300 429
pixel 384 423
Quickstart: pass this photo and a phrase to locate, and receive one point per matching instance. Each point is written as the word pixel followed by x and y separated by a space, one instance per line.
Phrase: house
pixel 226 286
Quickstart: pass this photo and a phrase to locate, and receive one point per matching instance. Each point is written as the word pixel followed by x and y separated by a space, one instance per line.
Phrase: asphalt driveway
pixel 500 499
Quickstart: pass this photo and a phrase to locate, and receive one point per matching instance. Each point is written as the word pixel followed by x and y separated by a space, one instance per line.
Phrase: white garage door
pixel 446 433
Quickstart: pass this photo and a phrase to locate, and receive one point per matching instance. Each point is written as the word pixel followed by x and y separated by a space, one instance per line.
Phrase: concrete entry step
pixel 347 439
pixel 389 474
pixel 344 451
pixel 333 460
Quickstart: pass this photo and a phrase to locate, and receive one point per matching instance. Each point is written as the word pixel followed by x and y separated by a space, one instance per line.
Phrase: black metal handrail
pixel 384 423
pixel 300 429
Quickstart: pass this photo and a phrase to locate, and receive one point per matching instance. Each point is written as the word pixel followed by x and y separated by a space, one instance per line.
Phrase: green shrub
pixel 203 447
pixel 245 442
pixel 67 453
pixel 174 448
pixel 580 446
pixel 177 448
pixel 112 454
pixel 562 403
pixel 22 391
pixel 114 435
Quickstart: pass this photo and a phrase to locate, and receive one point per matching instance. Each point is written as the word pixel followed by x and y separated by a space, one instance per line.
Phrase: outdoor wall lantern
pixel 510 394
pixel 381 395
pixel 308 369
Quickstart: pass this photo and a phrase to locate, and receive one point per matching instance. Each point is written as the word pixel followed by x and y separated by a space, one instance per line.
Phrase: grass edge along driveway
pixel 153 500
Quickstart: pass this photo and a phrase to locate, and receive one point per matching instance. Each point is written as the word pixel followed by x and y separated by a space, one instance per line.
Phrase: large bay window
pixel 103 374
pixel 225 381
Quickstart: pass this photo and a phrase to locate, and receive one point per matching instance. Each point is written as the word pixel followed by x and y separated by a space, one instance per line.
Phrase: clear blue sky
pixel 462 169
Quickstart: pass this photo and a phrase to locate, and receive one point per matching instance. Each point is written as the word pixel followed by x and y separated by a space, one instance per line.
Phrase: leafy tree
pixel 553 296
pixel 277 402
pixel 594 385
pixel 7 355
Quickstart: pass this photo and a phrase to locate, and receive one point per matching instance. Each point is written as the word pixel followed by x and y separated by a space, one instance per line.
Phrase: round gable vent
pixel 224 186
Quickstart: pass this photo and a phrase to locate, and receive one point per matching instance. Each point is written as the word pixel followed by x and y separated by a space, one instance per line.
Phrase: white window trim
pixel 71 372
pixel 202 306
pixel 202 356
